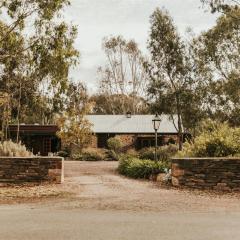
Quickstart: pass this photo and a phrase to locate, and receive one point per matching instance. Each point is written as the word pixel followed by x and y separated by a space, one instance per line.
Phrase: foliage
pixel 215 140
pixel 132 152
pixel 223 6
pixel 75 129
pixel 123 80
pixel 115 144
pixel 111 155
pixel 216 55
pixel 11 149
pixel 172 87
pixel 164 153
pixel 118 104
pixel 5 114
pixel 138 168
pixel 90 154
pixel 64 153
pixel 35 64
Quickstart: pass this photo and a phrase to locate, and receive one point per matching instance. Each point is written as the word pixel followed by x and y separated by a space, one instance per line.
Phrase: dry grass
pixel 12 149
pixel 31 193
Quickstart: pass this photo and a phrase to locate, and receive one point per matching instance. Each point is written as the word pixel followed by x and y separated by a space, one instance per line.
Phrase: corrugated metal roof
pixel 135 124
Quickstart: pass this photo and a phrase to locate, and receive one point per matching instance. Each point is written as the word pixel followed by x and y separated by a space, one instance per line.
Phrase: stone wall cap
pixel 206 158
pixel 33 157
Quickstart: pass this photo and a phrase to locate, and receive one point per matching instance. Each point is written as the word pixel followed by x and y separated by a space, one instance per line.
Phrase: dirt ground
pixel 98 186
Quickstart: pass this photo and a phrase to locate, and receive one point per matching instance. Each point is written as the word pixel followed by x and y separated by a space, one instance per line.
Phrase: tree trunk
pixel 180 133
pixel 180 127
pixel 18 111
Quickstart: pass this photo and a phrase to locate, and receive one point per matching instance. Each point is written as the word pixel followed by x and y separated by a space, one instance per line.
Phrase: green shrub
pixel 112 156
pixel 132 152
pixel 115 144
pixel 147 153
pixel 217 140
pixel 89 154
pixel 11 149
pixel 164 153
pixel 63 153
pixel 138 168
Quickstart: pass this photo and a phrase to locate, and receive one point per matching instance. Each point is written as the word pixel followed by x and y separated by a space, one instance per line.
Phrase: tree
pixel 124 78
pixel 217 59
pixel 5 115
pixel 34 61
pixel 170 70
pixel 223 6
pixel 75 129
pixel 118 104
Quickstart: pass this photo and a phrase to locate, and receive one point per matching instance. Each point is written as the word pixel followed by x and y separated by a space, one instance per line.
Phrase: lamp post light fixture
pixel 156 124
pixel 129 114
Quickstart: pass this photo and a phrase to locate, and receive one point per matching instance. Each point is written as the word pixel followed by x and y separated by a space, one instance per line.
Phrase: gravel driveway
pixel 97 185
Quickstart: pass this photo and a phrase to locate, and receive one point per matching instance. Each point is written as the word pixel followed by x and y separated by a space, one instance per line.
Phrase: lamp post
pixel 156 124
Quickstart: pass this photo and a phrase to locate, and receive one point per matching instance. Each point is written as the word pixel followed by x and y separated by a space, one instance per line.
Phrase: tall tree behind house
pixel 123 79
pixel 170 71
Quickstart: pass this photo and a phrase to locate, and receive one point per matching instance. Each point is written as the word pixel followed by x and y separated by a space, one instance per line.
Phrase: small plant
pixel 164 153
pixel 138 168
pixel 112 155
pixel 115 144
pixel 63 154
pixel 132 152
pixel 11 149
pixel 89 154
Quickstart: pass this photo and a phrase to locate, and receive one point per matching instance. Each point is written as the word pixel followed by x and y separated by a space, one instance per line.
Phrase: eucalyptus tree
pixel 224 7
pixel 172 87
pixel 217 58
pixel 123 79
pixel 36 52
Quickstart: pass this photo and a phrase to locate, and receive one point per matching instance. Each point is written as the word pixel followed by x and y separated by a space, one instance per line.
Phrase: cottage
pixel 136 131
pixel 37 138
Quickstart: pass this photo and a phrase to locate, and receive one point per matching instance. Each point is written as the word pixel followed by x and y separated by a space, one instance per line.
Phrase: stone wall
pixel 34 169
pixel 207 173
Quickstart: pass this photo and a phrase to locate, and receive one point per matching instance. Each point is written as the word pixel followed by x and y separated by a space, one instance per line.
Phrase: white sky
pixel 130 18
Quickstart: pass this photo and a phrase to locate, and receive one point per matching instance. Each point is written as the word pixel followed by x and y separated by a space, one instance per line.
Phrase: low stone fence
pixel 207 173
pixel 31 169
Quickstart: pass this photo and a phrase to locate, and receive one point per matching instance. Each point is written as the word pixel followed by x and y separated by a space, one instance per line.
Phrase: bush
pixel 11 149
pixel 115 144
pixel 112 156
pixel 138 168
pixel 164 153
pixel 63 153
pixel 89 154
pixel 132 152
pixel 217 140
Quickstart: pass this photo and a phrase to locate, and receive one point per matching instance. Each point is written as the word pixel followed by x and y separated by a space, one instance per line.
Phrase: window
pixel 46 145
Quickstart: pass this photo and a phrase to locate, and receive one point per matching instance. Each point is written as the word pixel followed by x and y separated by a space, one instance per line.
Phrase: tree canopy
pixel 37 52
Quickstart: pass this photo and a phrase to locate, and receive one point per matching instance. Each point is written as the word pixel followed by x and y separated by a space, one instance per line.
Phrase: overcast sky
pixel 130 18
